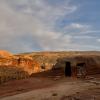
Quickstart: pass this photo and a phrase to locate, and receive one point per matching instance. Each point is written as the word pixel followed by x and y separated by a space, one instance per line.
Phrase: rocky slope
pixel 5 54
pixel 43 61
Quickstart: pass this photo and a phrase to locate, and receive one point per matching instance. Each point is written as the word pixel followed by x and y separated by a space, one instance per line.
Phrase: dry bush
pixel 11 73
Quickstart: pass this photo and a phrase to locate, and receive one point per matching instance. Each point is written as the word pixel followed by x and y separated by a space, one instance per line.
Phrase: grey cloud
pixel 27 25
pixel 35 19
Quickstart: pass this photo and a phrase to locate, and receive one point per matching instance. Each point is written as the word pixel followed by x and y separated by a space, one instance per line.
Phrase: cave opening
pixel 68 69
pixel 81 69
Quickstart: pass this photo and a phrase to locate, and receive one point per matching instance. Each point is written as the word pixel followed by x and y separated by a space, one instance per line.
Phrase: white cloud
pixel 98 40
pixel 89 31
pixel 78 26
pixel 24 19
pixel 26 25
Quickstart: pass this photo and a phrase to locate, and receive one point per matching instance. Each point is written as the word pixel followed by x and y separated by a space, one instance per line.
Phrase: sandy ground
pixel 59 88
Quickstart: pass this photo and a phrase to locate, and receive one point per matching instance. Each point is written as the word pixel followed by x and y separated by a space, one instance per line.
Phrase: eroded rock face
pixel 38 62
pixel 5 54
pixel 26 64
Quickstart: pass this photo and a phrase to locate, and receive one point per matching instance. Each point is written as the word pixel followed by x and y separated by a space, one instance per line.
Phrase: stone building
pixel 78 66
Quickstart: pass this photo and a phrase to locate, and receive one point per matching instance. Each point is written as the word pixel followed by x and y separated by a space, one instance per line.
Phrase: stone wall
pixel 92 63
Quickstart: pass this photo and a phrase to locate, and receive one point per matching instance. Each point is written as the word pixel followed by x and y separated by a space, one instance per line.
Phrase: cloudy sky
pixel 41 25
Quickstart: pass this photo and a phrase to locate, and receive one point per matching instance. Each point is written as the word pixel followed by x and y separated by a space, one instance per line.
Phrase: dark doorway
pixel 68 69
pixel 81 70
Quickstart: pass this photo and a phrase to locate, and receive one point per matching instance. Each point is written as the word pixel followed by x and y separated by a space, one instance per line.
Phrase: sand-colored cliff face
pixel 49 60
pixel 5 54
pixel 91 63
pixel 43 61
pixel 28 65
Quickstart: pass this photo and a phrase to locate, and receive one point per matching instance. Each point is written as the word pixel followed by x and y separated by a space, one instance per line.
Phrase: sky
pixel 49 25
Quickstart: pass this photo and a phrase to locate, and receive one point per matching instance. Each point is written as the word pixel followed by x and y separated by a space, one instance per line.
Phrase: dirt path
pixel 57 92
pixel 25 85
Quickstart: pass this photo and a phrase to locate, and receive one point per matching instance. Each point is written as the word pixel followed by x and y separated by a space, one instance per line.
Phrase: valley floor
pixel 52 88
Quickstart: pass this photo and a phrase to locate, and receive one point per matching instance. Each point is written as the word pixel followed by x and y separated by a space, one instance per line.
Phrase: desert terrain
pixel 42 76
pixel 52 88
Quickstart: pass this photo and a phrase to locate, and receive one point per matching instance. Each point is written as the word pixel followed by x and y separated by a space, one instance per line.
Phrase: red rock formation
pixel 5 54
pixel 39 62
pixel 27 64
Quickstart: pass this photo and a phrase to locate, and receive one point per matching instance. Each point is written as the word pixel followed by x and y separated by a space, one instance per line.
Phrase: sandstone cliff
pixel 5 54
pixel 43 61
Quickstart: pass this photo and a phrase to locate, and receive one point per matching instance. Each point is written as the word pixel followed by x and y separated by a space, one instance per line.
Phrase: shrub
pixel 11 73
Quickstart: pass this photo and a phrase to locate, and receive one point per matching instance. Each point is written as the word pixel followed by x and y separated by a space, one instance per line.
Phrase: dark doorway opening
pixel 81 70
pixel 68 69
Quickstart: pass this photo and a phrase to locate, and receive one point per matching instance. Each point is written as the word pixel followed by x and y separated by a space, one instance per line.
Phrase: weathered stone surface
pixel 5 54
pixel 43 61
